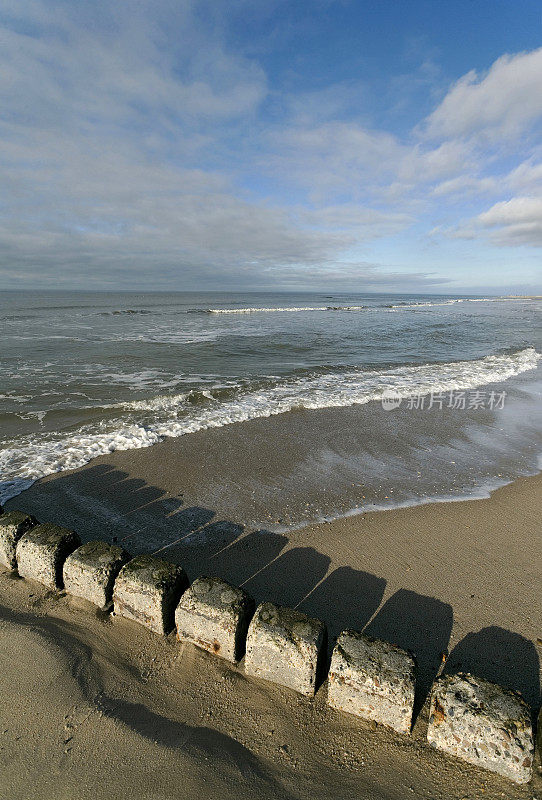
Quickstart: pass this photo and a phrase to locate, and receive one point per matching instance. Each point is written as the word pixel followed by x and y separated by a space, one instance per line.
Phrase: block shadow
pixel 420 624
pixel 291 576
pixel 347 597
pixel 103 502
pixel 502 657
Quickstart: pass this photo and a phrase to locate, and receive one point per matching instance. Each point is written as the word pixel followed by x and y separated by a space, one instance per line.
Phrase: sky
pixel 273 145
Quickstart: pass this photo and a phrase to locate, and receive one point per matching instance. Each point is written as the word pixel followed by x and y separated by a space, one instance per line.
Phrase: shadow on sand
pixel 101 501
pixel 502 657
pixel 421 625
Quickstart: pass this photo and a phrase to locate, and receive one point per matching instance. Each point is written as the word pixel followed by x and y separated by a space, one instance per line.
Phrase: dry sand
pixel 151 719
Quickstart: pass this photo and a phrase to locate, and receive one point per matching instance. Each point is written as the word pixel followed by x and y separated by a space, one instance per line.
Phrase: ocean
pixel 446 390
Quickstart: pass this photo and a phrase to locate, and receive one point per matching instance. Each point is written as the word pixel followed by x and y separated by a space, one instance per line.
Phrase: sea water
pixel 83 374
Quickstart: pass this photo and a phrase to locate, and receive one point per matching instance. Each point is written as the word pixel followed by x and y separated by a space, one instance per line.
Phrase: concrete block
pixel 13 524
pixel 483 724
pixel 215 616
pixel 41 552
pixel 372 679
pixel 147 590
pixel 285 646
pixel 90 571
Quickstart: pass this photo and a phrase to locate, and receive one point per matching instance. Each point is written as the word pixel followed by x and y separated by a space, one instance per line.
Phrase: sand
pixel 151 719
pixel 100 708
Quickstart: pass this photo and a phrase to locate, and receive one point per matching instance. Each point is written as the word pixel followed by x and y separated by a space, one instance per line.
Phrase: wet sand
pixel 461 578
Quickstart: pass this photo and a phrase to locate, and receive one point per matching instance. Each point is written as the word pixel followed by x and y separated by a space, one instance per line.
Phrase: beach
pixel 455 582
pixel 372 461
pixel 270 400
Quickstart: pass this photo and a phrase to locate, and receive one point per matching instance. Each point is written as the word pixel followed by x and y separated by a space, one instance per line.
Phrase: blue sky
pixel 326 144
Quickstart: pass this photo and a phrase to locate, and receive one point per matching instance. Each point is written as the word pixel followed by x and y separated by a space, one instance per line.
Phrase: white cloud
pixel 501 103
pixel 526 177
pixel 359 221
pixel 465 185
pixel 516 221
pixel 129 135
pixel 122 71
pixel 326 160
pixel 508 223
pixel 333 156
pixel 420 166
pixel 110 141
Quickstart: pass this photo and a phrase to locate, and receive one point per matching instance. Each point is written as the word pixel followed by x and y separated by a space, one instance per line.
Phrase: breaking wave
pixel 403 305
pixel 286 308
pixel 143 423
pixel 456 300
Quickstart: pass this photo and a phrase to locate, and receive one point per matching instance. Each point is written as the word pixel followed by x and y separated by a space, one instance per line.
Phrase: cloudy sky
pixel 366 145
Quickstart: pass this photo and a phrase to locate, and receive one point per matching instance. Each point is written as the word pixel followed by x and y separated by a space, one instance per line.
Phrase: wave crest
pixel 282 309
pixel 180 414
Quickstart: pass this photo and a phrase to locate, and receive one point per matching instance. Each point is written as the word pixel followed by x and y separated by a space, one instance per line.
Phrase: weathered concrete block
pixel 285 646
pixel 372 679
pixel 215 616
pixel 90 571
pixel 13 525
pixel 147 590
pixel 483 724
pixel 41 552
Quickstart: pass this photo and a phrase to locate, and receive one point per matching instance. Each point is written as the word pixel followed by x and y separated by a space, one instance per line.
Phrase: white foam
pixel 168 336
pixel 461 300
pixel 423 304
pixel 29 459
pixel 288 308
